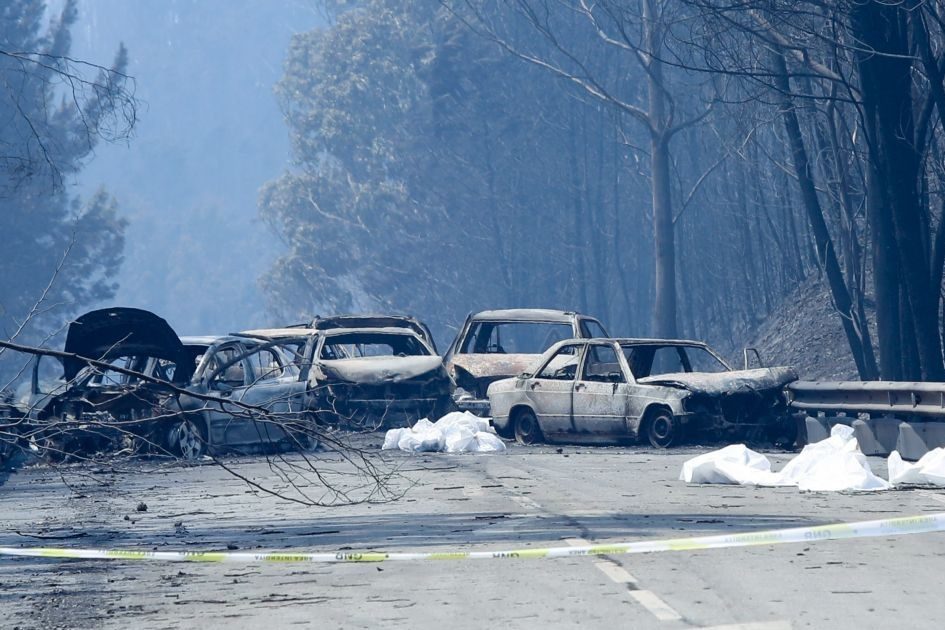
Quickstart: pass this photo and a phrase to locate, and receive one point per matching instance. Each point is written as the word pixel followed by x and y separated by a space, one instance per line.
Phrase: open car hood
pixel 113 332
pixel 376 370
pixel 723 383
pixel 495 365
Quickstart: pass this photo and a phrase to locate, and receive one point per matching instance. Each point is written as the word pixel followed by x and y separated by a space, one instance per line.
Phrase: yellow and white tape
pixel 840 531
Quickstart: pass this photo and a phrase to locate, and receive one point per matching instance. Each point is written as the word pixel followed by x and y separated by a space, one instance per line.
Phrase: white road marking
pixel 615 572
pixel 756 625
pixel 648 599
pixel 652 602
pixel 525 502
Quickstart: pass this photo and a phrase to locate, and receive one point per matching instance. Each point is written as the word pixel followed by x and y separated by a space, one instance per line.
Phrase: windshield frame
pixel 625 345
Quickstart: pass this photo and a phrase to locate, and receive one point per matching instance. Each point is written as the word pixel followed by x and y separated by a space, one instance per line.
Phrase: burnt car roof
pixel 121 331
pixel 365 321
pixel 642 341
pixel 526 315
pixel 276 333
pixel 334 332
pixel 375 321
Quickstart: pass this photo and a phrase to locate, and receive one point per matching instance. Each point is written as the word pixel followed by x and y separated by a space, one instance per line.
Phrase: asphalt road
pixel 529 496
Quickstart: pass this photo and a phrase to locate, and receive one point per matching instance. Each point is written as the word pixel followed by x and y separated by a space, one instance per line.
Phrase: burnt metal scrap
pixel 368 377
pixel 656 391
pixel 144 388
pixel 376 321
pixel 126 380
pixel 498 344
pixel 376 377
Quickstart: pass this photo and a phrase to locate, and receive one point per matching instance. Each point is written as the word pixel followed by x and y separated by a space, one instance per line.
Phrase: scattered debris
pixel 142 507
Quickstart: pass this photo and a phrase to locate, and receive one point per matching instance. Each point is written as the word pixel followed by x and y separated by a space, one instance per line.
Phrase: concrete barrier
pixel 877 436
pixel 918 438
pixel 880 436
pixel 817 428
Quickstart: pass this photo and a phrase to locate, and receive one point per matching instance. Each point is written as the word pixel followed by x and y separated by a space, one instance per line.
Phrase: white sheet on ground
pixel 830 465
pixel 930 469
pixel 735 464
pixel 457 432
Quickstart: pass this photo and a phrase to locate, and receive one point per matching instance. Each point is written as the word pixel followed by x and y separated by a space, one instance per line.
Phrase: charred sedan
pixel 369 378
pixel 650 390
pixel 494 345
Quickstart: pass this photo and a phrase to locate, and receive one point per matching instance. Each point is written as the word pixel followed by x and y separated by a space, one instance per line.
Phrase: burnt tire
pixel 526 427
pixel 188 438
pixel 662 428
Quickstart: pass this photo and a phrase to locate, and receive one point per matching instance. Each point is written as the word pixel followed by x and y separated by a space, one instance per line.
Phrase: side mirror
pixel 747 353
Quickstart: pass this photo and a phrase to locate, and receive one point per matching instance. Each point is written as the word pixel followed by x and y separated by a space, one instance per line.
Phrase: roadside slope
pixel 805 332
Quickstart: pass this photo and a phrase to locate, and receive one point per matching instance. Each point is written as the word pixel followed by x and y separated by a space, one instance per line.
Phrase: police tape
pixel 840 531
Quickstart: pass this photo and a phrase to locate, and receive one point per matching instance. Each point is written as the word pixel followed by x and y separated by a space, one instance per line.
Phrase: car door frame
pixel 608 418
pixel 560 421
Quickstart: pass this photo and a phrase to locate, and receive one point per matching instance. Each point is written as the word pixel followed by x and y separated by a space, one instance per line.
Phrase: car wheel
pixel 662 429
pixel 527 430
pixel 188 439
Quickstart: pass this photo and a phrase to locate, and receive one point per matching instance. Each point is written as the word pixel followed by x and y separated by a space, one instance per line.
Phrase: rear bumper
pixel 476 406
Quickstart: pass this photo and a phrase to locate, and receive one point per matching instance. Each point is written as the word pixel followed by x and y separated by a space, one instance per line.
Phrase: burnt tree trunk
pixel 826 255
pixel 664 313
pixel 885 67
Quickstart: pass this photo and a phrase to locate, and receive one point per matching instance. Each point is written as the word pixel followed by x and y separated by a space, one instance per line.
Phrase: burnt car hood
pixel 724 383
pixel 495 365
pixel 377 370
pixel 115 332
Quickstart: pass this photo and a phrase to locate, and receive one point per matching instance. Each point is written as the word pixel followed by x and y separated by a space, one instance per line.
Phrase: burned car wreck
pixel 244 395
pixel 493 345
pixel 130 383
pixel 74 406
pixel 649 390
pixel 372 378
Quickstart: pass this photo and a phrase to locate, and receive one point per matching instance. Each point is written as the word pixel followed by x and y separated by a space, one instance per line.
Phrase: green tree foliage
pixel 54 110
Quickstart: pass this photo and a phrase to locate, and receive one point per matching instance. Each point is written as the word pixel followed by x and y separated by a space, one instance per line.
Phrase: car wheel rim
pixel 527 426
pixel 189 440
pixel 662 429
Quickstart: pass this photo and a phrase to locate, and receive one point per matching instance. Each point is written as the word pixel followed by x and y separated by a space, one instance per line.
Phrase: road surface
pixel 529 496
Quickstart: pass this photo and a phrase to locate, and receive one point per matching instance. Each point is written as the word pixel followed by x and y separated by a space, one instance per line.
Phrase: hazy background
pixel 210 134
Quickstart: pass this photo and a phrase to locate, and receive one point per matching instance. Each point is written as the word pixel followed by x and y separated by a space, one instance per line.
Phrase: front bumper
pixel 375 414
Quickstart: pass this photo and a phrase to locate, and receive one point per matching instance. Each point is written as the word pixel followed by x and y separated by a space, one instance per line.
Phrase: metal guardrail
pixel 870 397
